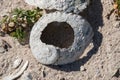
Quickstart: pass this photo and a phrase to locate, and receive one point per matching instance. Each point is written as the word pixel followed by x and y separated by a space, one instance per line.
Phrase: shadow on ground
pixel 94 17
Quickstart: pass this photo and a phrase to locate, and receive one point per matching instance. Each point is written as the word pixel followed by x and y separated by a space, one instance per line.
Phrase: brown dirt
pixel 100 61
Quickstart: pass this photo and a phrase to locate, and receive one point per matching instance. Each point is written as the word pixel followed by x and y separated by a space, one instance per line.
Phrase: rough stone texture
pixel 101 62
pixel 50 54
pixel 74 6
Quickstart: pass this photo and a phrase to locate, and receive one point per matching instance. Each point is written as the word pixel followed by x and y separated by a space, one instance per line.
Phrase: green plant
pixel 117 7
pixel 19 22
pixel 19 34
pixel 118 4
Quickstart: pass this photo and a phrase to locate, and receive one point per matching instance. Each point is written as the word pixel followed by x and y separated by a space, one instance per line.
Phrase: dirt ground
pixel 100 61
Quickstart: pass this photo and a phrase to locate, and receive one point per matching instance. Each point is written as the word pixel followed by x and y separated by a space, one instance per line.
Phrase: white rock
pixel 17 63
pixel 74 6
pixel 82 68
pixel 50 53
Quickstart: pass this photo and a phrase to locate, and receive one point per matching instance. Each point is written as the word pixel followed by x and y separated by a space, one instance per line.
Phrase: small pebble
pixel 17 62
pixel 82 68
pixel 11 24
pixel 24 25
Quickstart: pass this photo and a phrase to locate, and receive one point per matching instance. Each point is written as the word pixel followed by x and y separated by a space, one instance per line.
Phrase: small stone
pixel 82 68
pixel 24 25
pixel 11 24
pixel 17 62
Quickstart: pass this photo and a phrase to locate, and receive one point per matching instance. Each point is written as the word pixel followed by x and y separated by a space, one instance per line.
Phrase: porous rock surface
pixel 74 6
pixel 50 54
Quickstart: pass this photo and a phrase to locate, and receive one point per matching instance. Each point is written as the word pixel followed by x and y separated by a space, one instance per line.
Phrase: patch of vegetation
pixel 118 4
pixel 19 22
pixel 117 7
pixel 116 10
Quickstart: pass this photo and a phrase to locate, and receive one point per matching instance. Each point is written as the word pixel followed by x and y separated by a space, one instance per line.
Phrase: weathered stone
pixel 60 38
pixel 82 68
pixel 74 6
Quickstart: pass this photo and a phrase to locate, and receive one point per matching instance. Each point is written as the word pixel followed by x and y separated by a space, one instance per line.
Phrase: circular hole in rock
pixel 59 34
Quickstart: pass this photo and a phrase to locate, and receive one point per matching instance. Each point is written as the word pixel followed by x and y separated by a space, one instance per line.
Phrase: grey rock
pixel 67 45
pixel 74 6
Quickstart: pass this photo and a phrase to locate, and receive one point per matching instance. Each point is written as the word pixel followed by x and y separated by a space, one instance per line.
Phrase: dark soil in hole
pixel 59 34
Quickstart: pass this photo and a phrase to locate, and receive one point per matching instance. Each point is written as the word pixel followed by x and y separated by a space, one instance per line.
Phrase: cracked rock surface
pixel 63 47
pixel 74 6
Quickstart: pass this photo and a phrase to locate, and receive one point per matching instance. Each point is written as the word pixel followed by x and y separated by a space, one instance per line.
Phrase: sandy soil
pixel 100 61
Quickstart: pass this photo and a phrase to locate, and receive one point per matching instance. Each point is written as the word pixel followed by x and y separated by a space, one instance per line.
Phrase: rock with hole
pixel 60 38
